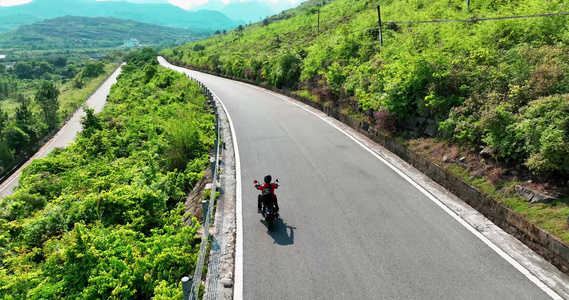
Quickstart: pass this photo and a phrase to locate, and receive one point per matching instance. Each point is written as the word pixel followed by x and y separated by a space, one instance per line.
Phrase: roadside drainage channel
pixel 220 277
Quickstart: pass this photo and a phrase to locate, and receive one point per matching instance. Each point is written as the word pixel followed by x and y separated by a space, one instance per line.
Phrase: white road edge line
pixel 238 276
pixel 238 291
pixel 484 239
pixel 238 279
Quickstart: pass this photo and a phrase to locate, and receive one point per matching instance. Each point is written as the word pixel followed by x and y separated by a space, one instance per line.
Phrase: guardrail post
pixel 205 208
pixel 212 165
pixel 187 283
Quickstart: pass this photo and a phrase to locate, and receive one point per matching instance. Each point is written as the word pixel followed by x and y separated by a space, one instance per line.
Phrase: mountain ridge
pixel 97 32
pixel 12 17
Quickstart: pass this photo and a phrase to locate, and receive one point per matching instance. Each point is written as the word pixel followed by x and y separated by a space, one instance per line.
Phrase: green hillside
pixel 160 14
pixel 501 84
pixel 103 218
pixel 62 33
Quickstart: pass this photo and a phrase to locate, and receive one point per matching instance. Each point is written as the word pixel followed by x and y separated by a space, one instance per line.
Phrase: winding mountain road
pixel 67 133
pixel 354 226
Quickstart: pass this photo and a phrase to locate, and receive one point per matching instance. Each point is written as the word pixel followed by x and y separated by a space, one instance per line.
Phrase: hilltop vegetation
pixel 500 84
pixel 73 32
pixel 103 218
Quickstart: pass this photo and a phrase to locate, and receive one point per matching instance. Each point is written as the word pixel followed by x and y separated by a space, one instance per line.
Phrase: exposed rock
pixel 462 159
pixel 227 283
pixel 533 196
pixel 471 178
pixel 486 152
pixel 446 159
pixel 432 129
pixel 412 123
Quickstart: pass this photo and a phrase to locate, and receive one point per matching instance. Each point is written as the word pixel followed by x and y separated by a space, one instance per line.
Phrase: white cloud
pixel 13 2
pixel 185 4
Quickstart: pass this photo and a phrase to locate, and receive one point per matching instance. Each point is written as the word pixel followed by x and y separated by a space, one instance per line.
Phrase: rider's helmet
pixel 268 179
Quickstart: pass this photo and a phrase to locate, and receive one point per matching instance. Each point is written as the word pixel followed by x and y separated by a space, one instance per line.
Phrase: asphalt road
pixel 352 227
pixel 67 133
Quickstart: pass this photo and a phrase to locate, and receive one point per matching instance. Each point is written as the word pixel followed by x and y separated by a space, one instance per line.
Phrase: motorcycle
pixel 269 212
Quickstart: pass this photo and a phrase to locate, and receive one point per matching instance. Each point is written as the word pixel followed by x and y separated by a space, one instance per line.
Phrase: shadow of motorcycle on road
pixel 282 233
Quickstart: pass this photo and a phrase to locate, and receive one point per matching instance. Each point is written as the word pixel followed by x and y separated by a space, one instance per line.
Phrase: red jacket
pixel 273 186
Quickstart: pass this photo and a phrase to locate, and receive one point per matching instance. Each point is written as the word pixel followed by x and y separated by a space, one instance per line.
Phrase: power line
pixel 343 7
pixel 440 21
pixel 482 19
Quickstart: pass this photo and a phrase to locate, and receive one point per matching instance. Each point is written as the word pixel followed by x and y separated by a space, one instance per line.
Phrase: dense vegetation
pixel 36 96
pixel 72 32
pixel 163 14
pixel 501 84
pixel 103 218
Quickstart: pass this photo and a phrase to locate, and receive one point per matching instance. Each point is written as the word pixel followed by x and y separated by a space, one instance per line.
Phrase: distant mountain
pixel 83 32
pixel 248 11
pixel 160 14
pixel 284 5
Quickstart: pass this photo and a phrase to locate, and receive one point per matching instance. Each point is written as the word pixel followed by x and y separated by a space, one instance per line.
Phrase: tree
pixel 46 97
pixel 59 61
pixel 2 69
pixel 17 139
pixel 70 71
pixel 199 47
pixel 42 69
pixel 140 58
pixel 24 119
pixel 92 70
pixel 23 70
pixel 3 122
pixel 90 122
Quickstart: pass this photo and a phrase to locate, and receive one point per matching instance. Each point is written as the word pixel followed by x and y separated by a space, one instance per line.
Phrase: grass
pixel 9 106
pixel 71 98
pixel 551 217
pixel 306 94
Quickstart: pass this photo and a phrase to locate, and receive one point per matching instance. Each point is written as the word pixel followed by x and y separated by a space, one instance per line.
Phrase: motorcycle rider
pixel 267 187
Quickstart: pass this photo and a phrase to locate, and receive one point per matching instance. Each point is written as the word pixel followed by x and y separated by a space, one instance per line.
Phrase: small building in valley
pixel 131 43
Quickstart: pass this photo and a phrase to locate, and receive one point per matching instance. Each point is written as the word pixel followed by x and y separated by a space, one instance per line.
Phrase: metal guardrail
pixel 191 286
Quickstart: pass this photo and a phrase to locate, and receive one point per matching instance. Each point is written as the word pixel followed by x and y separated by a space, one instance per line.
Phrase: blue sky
pixel 185 4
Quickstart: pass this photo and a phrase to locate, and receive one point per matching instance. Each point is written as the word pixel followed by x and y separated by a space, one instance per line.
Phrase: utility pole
pixel 379 23
pixel 319 22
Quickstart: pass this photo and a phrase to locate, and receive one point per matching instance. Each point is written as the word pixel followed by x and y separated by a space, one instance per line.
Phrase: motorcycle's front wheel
pixel 270 223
